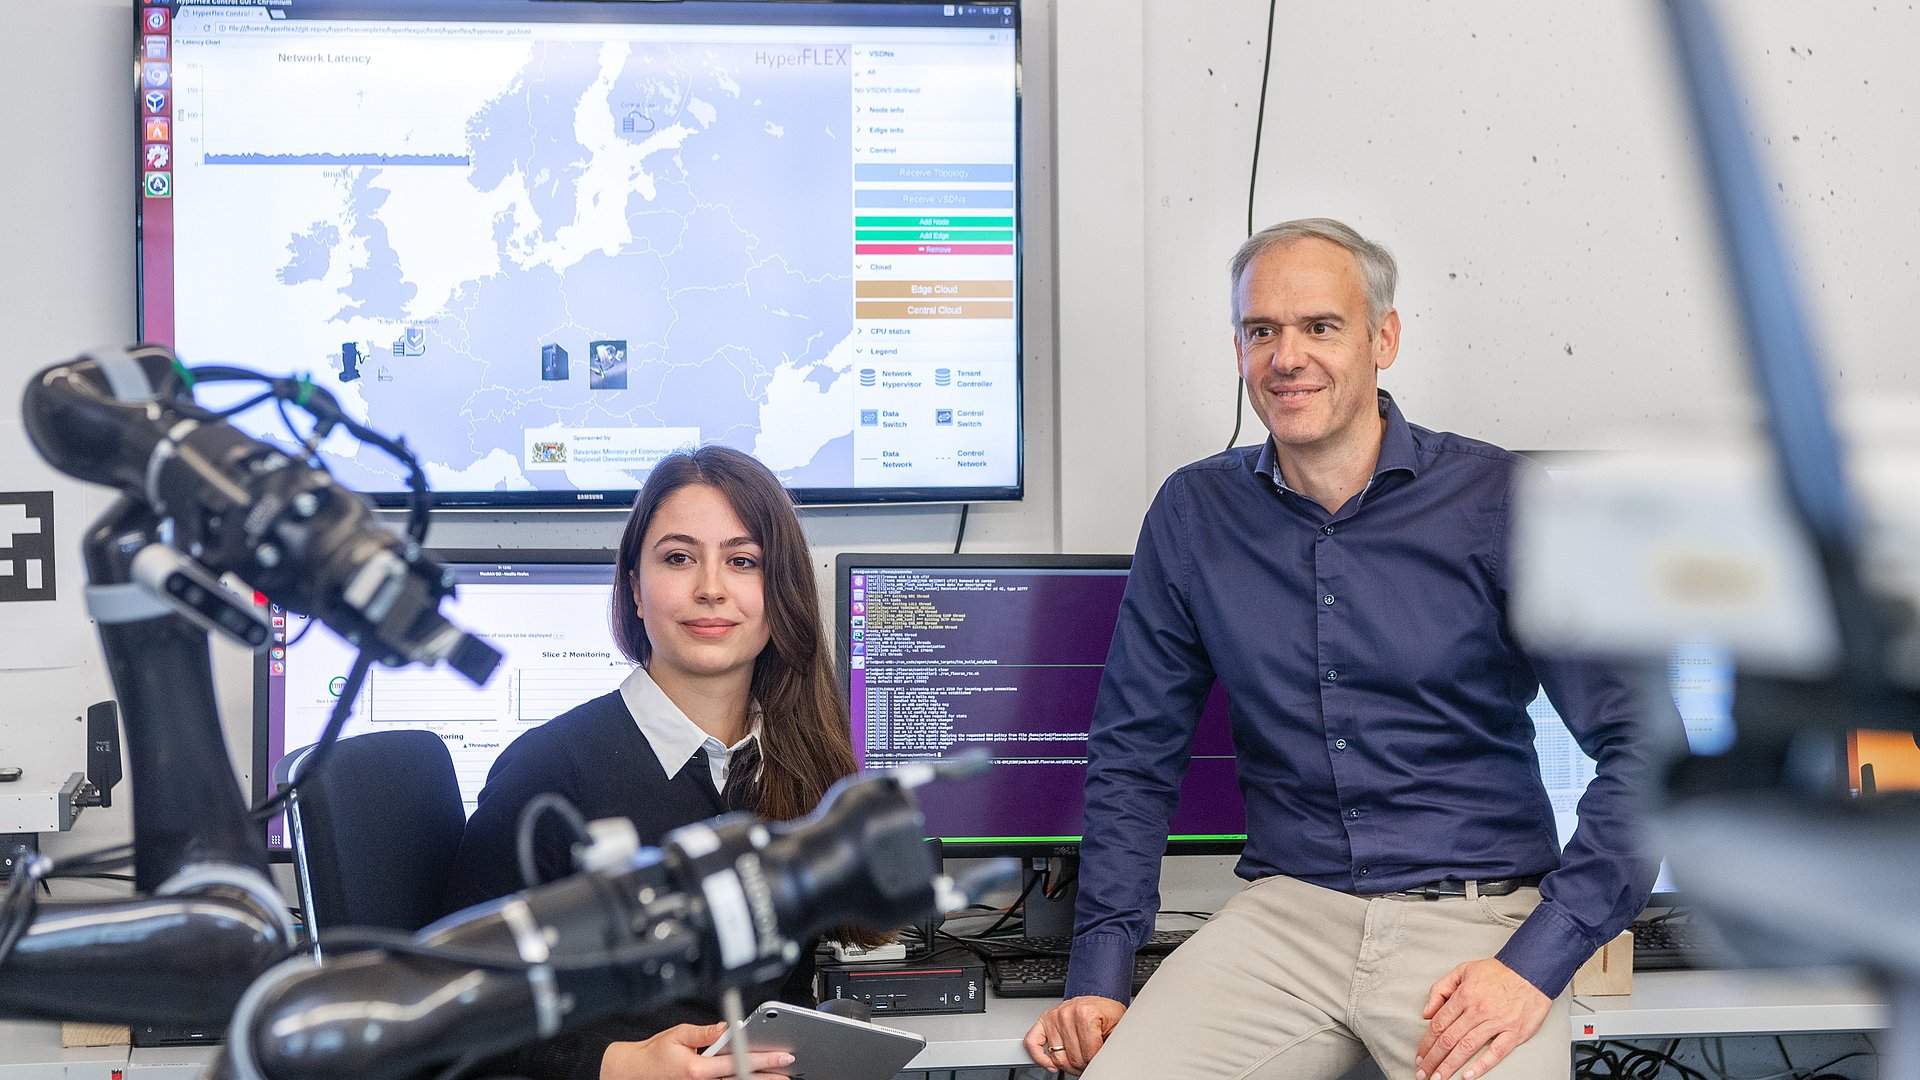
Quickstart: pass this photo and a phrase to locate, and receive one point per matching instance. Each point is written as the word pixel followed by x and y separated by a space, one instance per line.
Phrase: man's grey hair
pixel 1377 269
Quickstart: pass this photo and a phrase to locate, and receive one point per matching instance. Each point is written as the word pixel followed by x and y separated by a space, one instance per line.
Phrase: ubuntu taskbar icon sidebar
pixel 155 65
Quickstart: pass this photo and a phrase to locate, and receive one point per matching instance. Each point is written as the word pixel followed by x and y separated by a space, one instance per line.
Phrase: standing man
pixel 1346 581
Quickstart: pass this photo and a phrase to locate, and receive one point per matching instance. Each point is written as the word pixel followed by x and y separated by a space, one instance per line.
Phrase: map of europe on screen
pixel 552 271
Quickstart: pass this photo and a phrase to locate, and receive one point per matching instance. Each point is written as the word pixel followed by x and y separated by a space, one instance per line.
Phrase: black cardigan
pixel 595 756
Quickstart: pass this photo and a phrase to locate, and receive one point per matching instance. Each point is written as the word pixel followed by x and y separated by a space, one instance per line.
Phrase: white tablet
pixel 825 1047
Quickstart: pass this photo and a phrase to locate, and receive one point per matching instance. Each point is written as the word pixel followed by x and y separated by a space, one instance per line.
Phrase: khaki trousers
pixel 1291 981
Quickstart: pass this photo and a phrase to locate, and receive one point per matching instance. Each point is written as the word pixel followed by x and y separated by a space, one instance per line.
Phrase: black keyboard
pixel 1017 973
pixel 1046 976
pixel 1160 941
pixel 1671 945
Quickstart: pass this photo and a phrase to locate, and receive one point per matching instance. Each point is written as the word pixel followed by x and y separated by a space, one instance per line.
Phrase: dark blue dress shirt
pixel 1378 703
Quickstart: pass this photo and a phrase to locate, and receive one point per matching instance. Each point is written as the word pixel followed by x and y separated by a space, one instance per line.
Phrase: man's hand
pixel 1067 1036
pixel 1479 1005
pixel 674 1054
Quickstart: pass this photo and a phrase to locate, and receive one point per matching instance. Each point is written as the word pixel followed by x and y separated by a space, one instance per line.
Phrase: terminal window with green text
pixel 549 242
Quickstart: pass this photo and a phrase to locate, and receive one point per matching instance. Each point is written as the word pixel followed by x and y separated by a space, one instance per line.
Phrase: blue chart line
pixel 338 159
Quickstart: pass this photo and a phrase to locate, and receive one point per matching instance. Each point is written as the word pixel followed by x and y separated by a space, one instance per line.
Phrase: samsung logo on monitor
pixel 587 496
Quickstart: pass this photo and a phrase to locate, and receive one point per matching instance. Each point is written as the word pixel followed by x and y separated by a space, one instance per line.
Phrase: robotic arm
pixel 723 905
pixel 200 503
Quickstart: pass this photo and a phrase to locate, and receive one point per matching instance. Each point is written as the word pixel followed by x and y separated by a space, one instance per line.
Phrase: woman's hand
pixel 674 1054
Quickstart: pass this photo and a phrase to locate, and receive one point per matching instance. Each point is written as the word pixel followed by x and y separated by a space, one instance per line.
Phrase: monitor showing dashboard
pixel 1004 652
pixel 547 613
pixel 1700 677
pixel 550 241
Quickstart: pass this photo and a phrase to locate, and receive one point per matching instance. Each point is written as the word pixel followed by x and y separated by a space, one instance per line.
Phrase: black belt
pixel 1435 890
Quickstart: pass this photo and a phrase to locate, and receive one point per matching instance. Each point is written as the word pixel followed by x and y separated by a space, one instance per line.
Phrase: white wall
pixel 1527 162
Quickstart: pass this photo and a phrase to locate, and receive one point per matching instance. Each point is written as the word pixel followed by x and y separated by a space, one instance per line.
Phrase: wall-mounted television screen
pixel 548 242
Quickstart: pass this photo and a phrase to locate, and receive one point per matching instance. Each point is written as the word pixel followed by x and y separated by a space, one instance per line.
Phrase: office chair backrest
pixel 376 831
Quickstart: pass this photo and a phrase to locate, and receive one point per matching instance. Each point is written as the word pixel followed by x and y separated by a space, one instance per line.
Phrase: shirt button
pixel 1339 744
pixel 1328 530
pixel 1365 870
pixel 1327 599
pixel 1353 813
pixel 1332 675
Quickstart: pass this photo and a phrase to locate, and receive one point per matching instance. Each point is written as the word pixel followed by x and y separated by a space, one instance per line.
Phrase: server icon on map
pixel 553 364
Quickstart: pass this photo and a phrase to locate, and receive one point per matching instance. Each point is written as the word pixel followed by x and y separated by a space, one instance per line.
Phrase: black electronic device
pixel 103 753
pixel 149 1035
pixel 1674 942
pixel 1046 976
pixel 1036 966
pixel 952 980
pixel 1158 943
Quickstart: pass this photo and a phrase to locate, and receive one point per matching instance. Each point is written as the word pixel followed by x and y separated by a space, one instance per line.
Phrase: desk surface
pixel 1663 1004
pixel 30 1051
pixel 1733 1002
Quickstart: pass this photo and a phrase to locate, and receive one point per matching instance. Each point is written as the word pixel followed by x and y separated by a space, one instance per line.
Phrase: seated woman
pixel 732 707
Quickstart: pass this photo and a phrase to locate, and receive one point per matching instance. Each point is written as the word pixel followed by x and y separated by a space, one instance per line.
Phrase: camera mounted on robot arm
pixel 719 906
pixel 231 504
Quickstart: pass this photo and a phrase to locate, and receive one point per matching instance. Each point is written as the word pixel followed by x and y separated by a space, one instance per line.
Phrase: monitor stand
pixel 1051 916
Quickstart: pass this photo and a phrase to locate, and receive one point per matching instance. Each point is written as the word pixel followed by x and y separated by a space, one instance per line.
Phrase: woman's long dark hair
pixel 804 740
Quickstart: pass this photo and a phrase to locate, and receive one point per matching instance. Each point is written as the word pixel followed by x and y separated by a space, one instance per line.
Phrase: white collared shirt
pixel 673 736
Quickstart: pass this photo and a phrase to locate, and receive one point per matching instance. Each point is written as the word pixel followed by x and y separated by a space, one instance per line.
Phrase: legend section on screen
pixel 935 264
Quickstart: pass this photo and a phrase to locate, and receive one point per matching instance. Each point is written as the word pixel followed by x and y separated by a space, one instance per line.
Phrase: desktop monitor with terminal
pixel 1004 652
